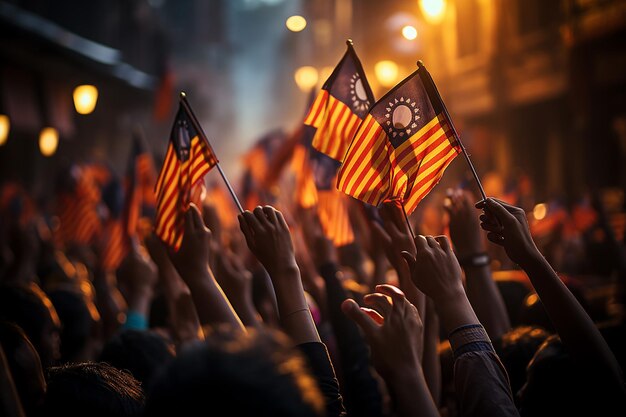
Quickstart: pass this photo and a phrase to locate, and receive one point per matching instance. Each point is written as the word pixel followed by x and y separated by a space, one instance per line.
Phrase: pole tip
pixel 183 95
pixel 349 42
pixel 420 64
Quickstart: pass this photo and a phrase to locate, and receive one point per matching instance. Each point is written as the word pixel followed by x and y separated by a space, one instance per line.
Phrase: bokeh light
pixel 85 98
pixel 409 32
pixel 5 125
pixel 433 10
pixel 540 211
pixel 386 72
pixel 306 77
pixel 296 23
pixel 48 141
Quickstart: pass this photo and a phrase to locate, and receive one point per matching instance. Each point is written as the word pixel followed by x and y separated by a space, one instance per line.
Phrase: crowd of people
pixel 268 317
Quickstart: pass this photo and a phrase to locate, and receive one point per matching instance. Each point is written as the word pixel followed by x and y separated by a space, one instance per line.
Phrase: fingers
pixel 432 242
pixel 356 314
pixel 410 259
pixel 281 220
pixel 394 293
pixel 270 213
pixel 253 222
pixel 261 216
pixel 495 238
pixel 420 243
pixel 374 315
pixel 500 212
pixel 195 218
pixel 379 302
pixel 246 230
pixel 443 242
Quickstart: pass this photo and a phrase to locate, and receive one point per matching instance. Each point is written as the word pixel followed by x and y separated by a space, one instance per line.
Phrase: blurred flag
pixel 140 177
pixel 114 243
pixel 403 146
pixel 305 189
pixel 77 206
pixel 187 160
pixel 258 163
pixel 340 106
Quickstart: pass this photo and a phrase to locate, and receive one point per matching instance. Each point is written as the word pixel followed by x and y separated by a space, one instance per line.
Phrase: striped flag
pixel 340 106
pixel 114 242
pixel 187 160
pixel 403 146
pixel 140 178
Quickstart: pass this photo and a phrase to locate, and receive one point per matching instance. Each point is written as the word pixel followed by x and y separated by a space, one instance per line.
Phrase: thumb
pixel 354 312
pixel 410 259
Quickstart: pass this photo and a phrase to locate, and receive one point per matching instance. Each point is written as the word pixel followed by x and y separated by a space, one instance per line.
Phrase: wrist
pixel 474 260
pixel 456 312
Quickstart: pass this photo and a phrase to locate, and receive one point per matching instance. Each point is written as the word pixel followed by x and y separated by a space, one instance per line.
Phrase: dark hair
pixel 76 322
pixel 140 352
pixel 516 348
pixel 32 310
pixel 92 389
pixel 237 374
pixel 556 385
pixel 24 364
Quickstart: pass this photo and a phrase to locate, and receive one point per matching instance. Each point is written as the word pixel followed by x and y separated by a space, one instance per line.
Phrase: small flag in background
pixel 114 242
pixel 187 160
pixel 340 106
pixel 403 146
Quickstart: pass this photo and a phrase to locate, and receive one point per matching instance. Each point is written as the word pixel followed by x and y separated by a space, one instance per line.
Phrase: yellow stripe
pixel 368 165
pixel 320 101
pixel 166 162
pixel 416 196
pixel 418 134
pixel 359 143
pixel 418 150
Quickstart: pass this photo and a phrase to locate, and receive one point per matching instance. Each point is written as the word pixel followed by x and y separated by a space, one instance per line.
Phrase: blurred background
pixel 536 88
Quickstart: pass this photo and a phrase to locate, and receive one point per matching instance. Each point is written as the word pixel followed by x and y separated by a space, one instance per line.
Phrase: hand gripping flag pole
pixel 198 128
pixel 421 65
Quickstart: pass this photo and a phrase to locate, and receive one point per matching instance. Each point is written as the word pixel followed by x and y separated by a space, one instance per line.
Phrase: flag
pixel 77 205
pixel 140 178
pixel 258 162
pixel 114 242
pixel 403 146
pixel 340 106
pixel 188 158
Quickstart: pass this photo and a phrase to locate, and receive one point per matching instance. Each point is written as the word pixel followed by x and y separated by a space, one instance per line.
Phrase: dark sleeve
pixel 480 380
pixel 323 371
pixel 360 388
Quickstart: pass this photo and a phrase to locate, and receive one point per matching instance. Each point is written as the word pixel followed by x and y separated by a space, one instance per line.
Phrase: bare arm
pixel 507 226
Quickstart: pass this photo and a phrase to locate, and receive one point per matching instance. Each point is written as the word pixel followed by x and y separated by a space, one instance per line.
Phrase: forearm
pixel 211 303
pixel 244 307
pixel 293 308
pixel 455 311
pixel 430 362
pixel 576 329
pixel 486 300
pixel 111 304
pixel 410 395
pixel 10 404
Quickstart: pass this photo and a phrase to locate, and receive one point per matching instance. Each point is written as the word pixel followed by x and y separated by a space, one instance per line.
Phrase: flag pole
pixel 408 223
pixel 198 128
pixel 420 65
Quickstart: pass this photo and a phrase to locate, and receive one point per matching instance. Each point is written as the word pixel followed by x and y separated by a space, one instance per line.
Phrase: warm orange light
pixel 5 125
pixel 409 32
pixel 306 77
pixel 540 211
pixel 386 72
pixel 48 141
pixel 325 73
pixel 296 23
pixel 433 10
pixel 85 98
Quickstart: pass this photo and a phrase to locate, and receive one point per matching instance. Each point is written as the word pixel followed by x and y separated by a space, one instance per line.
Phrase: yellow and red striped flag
pixel 187 160
pixel 340 106
pixel 403 146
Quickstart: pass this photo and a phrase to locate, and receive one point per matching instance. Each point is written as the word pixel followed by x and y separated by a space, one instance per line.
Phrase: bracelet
pixel 478 259
pixel 294 312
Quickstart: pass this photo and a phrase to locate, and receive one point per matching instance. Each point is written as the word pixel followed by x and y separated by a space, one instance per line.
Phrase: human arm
pixel 469 247
pixel 507 226
pixel 192 263
pixel 436 271
pixel 390 330
pixel 10 404
pixel 139 275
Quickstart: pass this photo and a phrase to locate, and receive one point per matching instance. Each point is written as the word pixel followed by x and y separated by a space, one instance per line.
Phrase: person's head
pixel 557 385
pixel 77 323
pixel 257 374
pixel 516 348
pixel 24 364
pixel 30 308
pixel 92 389
pixel 142 353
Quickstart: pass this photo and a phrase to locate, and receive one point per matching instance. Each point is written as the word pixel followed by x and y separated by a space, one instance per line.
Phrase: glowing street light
pixel 48 141
pixel 5 125
pixel 306 77
pixel 409 32
pixel 296 23
pixel 433 10
pixel 386 72
pixel 85 98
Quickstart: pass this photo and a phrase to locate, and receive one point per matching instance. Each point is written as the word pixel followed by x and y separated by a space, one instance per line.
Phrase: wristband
pixel 478 259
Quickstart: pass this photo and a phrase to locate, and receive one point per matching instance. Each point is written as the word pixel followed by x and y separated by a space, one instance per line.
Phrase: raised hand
pixel 507 226
pixel 464 225
pixel 268 238
pixel 390 327
pixel 192 259
pixel 394 235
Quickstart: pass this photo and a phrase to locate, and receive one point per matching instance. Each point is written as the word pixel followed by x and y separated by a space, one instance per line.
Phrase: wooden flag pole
pixel 196 125
pixel 420 65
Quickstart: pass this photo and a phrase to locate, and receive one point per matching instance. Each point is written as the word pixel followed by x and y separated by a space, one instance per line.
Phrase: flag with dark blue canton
pixel 340 106
pixel 403 146
pixel 187 160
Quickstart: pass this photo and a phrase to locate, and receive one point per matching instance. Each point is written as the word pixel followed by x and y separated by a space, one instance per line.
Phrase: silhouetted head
pixel 557 385
pixel 92 389
pixel 142 353
pixel 257 374
pixel 76 321
pixel 25 366
pixel 516 348
pixel 30 308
